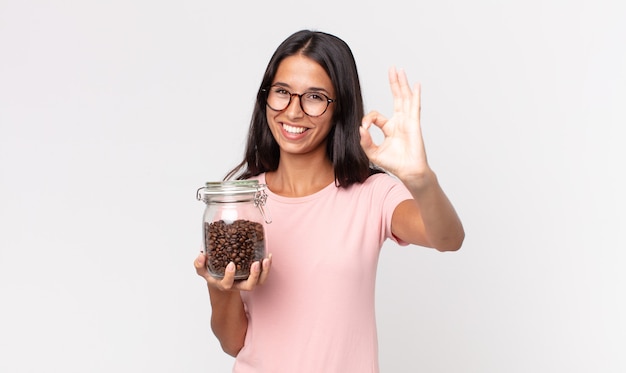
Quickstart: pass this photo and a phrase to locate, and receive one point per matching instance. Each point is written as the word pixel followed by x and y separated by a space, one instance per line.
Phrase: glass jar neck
pixel 235 191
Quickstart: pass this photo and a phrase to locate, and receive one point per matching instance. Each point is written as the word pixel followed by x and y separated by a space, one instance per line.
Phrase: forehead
pixel 301 73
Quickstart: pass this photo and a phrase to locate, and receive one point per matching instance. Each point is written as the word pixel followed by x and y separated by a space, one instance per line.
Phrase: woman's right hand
pixel 257 276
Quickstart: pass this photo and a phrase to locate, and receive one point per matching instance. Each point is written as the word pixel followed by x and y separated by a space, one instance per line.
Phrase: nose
pixel 294 108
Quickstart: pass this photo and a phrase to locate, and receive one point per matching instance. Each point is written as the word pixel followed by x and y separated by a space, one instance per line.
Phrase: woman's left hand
pixel 402 151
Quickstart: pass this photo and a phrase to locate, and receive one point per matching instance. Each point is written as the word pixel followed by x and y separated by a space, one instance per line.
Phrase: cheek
pixel 270 120
pixel 272 125
pixel 325 123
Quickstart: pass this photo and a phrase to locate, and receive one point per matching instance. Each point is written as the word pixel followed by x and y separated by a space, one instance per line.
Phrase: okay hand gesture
pixel 402 151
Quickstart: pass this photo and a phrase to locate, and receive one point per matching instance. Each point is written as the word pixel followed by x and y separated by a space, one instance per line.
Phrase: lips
pixel 293 130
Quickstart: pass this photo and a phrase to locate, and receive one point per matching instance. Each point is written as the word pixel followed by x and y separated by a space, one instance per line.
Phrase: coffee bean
pixel 241 241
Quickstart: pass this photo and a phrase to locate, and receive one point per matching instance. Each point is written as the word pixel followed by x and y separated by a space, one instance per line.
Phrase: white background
pixel 113 113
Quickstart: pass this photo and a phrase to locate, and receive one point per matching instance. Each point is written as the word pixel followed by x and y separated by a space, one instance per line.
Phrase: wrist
pixel 420 181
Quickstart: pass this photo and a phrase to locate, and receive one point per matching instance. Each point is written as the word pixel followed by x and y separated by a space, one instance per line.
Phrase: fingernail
pixel 256 267
pixel 230 267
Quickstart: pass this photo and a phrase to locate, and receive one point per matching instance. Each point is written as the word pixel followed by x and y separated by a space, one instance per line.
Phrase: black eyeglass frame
pixel 328 100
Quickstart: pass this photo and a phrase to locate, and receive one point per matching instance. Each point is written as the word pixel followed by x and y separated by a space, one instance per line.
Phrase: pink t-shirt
pixel 315 313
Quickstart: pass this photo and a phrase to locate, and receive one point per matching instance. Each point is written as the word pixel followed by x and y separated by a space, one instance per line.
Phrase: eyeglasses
pixel 313 104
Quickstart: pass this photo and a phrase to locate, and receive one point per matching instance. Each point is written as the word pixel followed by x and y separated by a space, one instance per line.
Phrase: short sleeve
pixel 389 191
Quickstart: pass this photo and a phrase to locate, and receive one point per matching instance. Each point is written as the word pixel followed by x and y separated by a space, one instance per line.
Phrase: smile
pixel 294 130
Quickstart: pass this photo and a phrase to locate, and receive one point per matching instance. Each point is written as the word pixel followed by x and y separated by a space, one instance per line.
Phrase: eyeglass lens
pixel 312 103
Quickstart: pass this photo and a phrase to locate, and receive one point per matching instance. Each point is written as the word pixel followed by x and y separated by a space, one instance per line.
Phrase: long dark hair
pixel 343 148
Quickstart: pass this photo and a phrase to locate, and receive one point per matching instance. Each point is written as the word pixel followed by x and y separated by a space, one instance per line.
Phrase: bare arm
pixel 429 219
pixel 228 317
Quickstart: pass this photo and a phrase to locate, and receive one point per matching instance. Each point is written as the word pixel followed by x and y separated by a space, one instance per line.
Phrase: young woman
pixel 309 306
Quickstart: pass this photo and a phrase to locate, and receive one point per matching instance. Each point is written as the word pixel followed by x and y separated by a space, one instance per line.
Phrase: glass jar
pixel 233 225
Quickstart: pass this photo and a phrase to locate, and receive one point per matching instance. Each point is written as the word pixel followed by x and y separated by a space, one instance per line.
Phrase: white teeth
pixel 294 130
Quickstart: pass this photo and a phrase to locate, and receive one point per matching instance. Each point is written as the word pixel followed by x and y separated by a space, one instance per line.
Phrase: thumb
pixel 366 141
pixel 200 265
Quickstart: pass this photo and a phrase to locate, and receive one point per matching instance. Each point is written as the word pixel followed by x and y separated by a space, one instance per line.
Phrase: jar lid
pixel 236 187
pixel 230 187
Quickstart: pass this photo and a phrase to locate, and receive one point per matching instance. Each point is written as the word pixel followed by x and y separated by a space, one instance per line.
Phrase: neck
pixel 300 176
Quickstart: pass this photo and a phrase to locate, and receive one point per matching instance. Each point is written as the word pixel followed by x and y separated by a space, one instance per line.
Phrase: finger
pixel 226 283
pixel 416 103
pixel 366 141
pixel 201 270
pixel 373 117
pixel 396 91
pixel 200 265
pixel 377 119
pixel 253 278
pixel 405 91
pixel 255 272
pixel 267 266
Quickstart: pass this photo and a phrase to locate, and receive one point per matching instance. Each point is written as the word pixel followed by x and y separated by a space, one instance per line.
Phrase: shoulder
pixel 380 187
pixel 382 181
pixel 260 177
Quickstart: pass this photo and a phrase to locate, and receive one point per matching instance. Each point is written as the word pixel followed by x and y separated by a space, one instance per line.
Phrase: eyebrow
pixel 310 89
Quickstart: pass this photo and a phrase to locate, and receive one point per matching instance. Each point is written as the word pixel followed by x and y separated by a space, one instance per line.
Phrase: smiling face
pixel 295 131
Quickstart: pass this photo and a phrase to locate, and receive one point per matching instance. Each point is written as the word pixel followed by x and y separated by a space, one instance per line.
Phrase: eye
pixel 314 96
pixel 281 91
